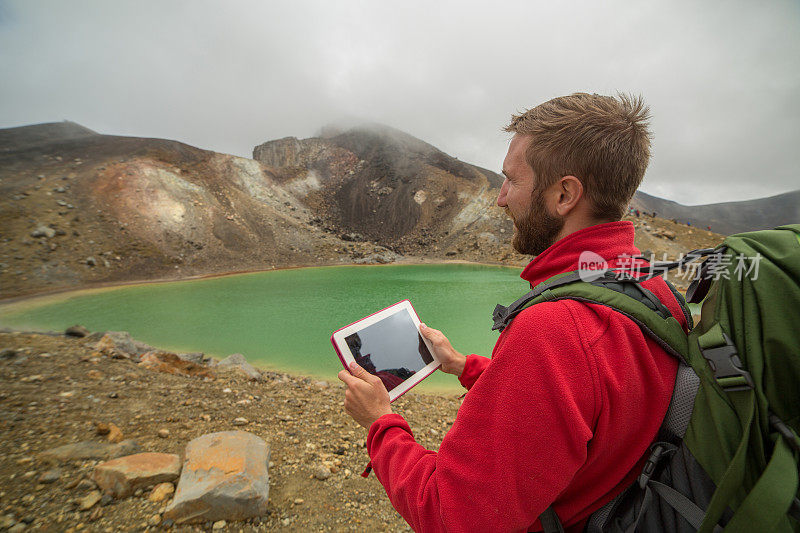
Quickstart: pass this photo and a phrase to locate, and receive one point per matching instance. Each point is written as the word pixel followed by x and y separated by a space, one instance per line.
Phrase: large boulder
pixel 224 477
pixel 170 363
pixel 90 450
pixel 121 477
pixel 237 362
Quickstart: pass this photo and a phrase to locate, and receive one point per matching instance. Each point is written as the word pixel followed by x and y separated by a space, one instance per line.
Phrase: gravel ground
pixel 55 391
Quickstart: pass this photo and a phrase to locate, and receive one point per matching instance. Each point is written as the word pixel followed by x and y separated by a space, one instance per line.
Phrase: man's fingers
pixel 348 378
pixel 359 372
pixel 429 333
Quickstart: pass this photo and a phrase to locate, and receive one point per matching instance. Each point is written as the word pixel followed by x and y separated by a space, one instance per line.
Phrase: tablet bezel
pixel 346 357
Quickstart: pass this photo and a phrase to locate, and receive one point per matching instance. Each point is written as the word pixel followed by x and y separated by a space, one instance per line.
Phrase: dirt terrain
pixel 55 391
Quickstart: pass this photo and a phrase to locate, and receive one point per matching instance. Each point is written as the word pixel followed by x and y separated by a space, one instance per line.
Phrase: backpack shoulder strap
pixel 622 294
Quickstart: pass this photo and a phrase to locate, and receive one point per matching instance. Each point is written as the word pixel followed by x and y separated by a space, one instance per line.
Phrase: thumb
pixel 359 372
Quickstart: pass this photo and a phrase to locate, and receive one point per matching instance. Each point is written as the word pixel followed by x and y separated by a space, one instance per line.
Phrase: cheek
pixel 516 199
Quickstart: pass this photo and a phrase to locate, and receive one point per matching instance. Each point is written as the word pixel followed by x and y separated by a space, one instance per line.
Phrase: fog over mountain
pixel 79 208
pixel 720 77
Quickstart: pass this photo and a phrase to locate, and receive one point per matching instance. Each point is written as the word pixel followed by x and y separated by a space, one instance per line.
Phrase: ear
pixel 569 190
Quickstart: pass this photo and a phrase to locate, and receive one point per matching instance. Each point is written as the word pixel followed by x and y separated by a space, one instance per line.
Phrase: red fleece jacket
pixel 563 412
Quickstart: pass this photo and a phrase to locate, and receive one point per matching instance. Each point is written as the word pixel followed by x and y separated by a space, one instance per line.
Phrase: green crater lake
pixel 283 319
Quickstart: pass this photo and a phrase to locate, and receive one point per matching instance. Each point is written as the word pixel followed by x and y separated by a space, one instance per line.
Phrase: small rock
pixel 123 476
pixel 51 476
pixel 299 501
pixel 90 450
pixel 154 520
pixel 118 344
pixel 44 231
pixel 113 395
pixel 170 363
pixel 106 499
pixel 163 433
pixel 96 513
pixel 219 524
pixel 101 428
pixel 94 374
pixel 322 472
pixel 197 358
pixel 8 353
pixel 77 331
pixel 6 521
pixel 86 484
pixel 114 434
pixel 91 261
pixel 89 501
pixel 238 362
pixel 161 492
pixel 241 421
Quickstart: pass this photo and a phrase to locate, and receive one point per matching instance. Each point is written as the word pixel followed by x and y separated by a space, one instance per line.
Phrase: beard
pixel 537 229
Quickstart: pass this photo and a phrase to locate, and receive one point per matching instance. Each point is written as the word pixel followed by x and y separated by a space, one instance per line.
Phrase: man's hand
pixel 452 361
pixel 366 398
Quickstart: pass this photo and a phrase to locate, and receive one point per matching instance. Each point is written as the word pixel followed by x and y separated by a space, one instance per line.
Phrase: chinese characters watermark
pixel 687 266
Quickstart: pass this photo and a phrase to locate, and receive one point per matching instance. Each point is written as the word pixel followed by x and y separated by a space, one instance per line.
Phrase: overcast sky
pixel 722 78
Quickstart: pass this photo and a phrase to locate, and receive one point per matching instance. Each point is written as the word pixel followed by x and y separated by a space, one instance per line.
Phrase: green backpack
pixel 726 455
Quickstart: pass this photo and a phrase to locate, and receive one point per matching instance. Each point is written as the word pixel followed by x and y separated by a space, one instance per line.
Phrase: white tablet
pixel 389 345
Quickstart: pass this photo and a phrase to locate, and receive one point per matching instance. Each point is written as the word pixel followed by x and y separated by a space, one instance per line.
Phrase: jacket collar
pixel 609 240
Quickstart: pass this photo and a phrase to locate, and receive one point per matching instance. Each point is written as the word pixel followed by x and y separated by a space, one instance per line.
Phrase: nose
pixel 501 198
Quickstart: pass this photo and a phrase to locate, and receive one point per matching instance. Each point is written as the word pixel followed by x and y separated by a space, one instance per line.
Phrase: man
pixel 566 408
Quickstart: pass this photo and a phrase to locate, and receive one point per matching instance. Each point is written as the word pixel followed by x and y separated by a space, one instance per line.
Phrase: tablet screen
pixel 391 349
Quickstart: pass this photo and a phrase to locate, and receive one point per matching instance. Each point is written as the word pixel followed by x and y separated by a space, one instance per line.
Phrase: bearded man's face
pixel 524 202
pixel 537 229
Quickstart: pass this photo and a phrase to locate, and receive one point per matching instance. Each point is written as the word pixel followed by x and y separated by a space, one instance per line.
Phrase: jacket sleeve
pixel 518 439
pixel 473 369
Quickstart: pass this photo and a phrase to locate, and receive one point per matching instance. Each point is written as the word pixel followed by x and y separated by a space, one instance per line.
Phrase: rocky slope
pixel 79 209
pixel 385 185
pixel 60 390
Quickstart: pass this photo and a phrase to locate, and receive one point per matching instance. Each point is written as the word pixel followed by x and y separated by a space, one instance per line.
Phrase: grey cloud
pixel 722 78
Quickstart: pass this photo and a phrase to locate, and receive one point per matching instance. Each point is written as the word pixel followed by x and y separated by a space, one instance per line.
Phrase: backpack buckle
pixel 659 450
pixel 499 315
pixel 727 367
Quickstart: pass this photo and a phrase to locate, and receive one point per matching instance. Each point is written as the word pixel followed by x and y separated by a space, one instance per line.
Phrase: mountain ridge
pixel 79 208
pixel 728 217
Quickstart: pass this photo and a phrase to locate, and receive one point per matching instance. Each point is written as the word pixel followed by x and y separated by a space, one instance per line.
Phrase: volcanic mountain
pixel 380 184
pixel 78 208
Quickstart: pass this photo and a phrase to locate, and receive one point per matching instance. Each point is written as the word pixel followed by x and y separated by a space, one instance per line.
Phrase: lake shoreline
pixel 101 286
pixel 265 348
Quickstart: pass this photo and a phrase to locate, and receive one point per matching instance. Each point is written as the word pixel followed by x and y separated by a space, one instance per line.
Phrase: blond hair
pixel 601 140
